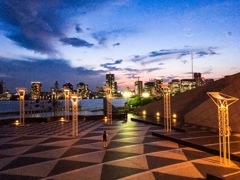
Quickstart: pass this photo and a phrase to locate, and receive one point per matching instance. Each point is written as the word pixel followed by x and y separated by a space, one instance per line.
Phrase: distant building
pixel 36 89
pixel 100 91
pixel 198 78
pixel 175 86
pixel 187 84
pixel 82 90
pixel 138 88
pixel 149 87
pixel 69 86
pixel 110 81
pixel 56 86
pixel 2 87
pixel 157 85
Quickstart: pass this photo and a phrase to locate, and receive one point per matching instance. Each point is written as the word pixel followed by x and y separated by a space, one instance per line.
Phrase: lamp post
pixel 223 101
pixel 167 107
pixel 21 92
pixel 66 92
pixel 108 91
pixel 74 99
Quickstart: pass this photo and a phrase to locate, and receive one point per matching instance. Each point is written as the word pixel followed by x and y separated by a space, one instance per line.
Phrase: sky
pixel 83 40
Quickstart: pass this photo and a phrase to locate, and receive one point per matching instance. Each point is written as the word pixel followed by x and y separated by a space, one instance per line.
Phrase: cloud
pixel 75 42
pixel 78 28
pixel 20 73
pixel 90 72
pixel 170 54
pixel 110 66
pixel 36 25
pixel 103 36
pixel 116 44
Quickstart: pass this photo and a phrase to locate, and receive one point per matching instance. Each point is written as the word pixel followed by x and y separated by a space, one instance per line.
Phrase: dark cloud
pixel 36 24
pixel 101 37
pixel 161 53
pixel 169 54
pixel 209 71
pixel 20 73
pixel 116 44
pixel 110 66
pixel 78 28
pixel 90 72
pixel 76 42
pixel 137 58
pixel 229 33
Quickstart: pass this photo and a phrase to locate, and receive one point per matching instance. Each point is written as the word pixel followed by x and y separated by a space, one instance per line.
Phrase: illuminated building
pixel 149 87
pixel 36 89
pixel 110 81
pixel 82 90
pixel 157 85
pixel 175 86
pixel 138 88
pixel 158 82
pixel 69 86
pixel 187 84
pixel 198 79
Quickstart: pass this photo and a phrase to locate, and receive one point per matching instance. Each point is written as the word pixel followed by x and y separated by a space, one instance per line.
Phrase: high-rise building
pixel 68 85
pixel 82 90
pixel 198 79
pixel 187 84
pixel 157 87
pixel 110 81
pixel 36 89
pixel 138 88
pixel 56 86
pixel 2 87
pixel 175 86
pixel 149 87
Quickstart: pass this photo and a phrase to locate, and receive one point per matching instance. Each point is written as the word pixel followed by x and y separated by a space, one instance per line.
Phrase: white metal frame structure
pixel 223 101
pixel 167 107
pixel 108 91
pixel 21 92
pixel 74 99
pixel 66 92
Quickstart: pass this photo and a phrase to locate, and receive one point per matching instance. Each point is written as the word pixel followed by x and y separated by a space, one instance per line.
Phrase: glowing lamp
pixel 145 94
pixel 144 113
pixel 174 115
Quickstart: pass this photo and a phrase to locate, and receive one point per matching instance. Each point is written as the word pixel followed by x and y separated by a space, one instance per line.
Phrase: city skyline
pixel 82 41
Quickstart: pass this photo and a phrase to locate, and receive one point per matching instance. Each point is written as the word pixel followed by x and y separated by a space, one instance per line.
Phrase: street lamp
pixel 66 92
pixel 167 107
pixel 74 99
pixel 21 92
pixel 108 91
pixel 223 101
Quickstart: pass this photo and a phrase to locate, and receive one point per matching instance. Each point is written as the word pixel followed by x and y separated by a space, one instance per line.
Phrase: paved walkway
pixel 47 151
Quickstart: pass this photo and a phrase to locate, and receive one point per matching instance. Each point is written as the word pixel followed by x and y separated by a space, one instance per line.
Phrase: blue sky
pixel 82 40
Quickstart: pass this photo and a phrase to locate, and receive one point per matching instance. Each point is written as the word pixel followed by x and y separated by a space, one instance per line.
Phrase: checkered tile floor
pixel 47 151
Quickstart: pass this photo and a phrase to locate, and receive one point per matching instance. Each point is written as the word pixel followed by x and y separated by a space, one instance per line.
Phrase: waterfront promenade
pixel 47 151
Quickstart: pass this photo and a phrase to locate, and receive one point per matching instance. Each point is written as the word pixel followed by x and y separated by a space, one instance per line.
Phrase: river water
pixel 85 104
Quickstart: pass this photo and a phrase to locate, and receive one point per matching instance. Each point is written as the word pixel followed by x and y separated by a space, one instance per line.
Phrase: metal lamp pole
pixel 167 107
pixel 74 99
pixel 66 92
pixel 21 92
pixel 223 101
